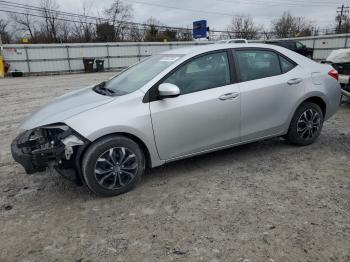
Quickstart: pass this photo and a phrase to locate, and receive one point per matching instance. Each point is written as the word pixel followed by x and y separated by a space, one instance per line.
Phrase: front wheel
pixel 113 165
pixel 306 124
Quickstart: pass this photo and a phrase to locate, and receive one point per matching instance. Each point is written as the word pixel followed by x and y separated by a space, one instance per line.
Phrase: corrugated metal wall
pixel 53 58
pixel 47 58
pixel 324 45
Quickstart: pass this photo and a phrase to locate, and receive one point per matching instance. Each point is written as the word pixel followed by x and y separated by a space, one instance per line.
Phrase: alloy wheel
pixel 116 168
pixel 308 124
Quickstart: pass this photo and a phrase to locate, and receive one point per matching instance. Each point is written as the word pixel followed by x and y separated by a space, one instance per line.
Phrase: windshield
pixel 138 75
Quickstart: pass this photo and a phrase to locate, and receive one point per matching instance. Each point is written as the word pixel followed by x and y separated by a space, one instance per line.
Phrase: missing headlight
pixel 57 147
pixel 69 142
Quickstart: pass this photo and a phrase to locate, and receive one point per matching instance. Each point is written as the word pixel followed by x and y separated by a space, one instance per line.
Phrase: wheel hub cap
pixel 116 168
pixel 308 124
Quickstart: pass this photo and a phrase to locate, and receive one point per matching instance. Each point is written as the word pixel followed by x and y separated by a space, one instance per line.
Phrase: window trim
pixel 238 69
pixel 289 60
pixel 152 93
pixel 300 43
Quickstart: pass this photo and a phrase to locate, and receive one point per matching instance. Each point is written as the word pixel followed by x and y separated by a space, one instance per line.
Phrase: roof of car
pixel 279 41
pixel 199 49
pixel 212 47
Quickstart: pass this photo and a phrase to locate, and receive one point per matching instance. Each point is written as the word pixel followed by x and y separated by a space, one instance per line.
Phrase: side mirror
pixel 168 90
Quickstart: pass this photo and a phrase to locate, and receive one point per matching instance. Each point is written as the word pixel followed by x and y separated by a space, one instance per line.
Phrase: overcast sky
pixel 219 13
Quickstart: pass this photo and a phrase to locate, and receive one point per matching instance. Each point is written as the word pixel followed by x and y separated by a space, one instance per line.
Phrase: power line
pixel 188 9
pixel 179 8
pixel 297 4
pixel 342 10
pixel 69 14
pixel 36 11
pixel 278 3
pixel 97 23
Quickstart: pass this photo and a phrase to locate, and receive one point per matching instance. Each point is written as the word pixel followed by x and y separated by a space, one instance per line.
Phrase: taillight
pixel 334 73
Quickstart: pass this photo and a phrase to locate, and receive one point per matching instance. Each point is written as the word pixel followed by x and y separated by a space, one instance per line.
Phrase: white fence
pixel 53 58
pixel 323 45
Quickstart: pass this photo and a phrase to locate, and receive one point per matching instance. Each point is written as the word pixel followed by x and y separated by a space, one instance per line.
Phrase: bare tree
pixel 4 34
pixel 184 34
pixel 119 14
pixel 151 30
pixel 266 33
pixel 290 26
pixel 66 32
pixel 136 33
pixel 105 32
pixel 85 29
pixel 342 24
pixel 25 24
pixel 51 22
pixel 243 27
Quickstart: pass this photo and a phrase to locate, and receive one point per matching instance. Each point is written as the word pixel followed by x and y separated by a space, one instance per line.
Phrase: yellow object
pixel 25 40
pixel 2 67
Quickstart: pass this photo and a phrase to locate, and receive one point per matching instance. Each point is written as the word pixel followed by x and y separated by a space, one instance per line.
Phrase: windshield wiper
pixel 103 90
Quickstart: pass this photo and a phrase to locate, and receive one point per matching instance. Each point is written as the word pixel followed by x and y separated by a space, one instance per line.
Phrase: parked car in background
pixel 233 41
pixel 340 60
pixel 175 105
pixel 294 46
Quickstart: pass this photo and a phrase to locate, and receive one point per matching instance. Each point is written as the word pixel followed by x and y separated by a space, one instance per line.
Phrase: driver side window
pixel 299 45
pixel 204 72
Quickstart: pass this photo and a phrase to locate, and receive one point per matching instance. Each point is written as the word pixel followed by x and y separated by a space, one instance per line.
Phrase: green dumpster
pixel 100 65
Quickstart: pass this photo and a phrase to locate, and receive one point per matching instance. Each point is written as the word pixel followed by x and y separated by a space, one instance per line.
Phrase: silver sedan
pixel 176 105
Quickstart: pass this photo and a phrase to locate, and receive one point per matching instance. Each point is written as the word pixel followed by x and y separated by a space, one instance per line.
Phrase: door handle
pixel 294 81
pixel 228 96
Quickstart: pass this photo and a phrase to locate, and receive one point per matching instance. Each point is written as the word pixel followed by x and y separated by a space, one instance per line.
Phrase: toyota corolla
pixel 175 105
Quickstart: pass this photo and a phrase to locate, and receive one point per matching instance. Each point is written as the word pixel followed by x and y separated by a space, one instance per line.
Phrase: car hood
pixel 65 107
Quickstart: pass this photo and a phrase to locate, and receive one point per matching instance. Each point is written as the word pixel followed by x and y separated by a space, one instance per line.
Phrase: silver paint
pixel 199 122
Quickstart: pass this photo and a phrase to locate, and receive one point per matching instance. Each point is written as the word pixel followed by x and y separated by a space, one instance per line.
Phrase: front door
pixel 207 113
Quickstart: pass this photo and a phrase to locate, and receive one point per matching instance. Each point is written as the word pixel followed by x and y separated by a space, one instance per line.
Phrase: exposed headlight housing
pixel 69 142
pixel 36 148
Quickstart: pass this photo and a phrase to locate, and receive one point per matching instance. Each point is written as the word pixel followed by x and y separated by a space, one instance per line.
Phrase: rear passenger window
pixel 255 64
pixel 286 65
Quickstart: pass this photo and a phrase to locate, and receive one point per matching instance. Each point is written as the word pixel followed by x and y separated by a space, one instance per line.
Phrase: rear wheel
pixel 306 124
pixel 113 165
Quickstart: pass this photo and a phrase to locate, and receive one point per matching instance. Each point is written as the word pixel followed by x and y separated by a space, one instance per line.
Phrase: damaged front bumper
pixel 55 146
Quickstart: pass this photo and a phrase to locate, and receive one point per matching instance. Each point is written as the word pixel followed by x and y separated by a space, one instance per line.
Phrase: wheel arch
pixel 318 101
pixel 316 98
pixel 134 138
pixel 141 144
pixel 81 152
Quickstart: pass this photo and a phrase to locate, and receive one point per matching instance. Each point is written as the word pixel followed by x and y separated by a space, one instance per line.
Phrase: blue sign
pixel 199 29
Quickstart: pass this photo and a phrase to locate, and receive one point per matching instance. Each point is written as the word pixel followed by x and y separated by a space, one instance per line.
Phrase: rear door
pixel 207 113
pixel 270 86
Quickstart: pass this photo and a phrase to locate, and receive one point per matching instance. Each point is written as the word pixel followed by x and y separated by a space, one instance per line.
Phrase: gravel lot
pixel 266 201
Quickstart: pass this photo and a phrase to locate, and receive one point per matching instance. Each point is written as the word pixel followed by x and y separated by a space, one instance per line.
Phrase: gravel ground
pixel 266 201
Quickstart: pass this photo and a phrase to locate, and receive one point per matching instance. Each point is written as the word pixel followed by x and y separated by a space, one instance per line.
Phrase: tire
pixel 304 118
pixel 113 165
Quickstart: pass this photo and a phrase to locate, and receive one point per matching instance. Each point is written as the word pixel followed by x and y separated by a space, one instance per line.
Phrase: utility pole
pixel 342 11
